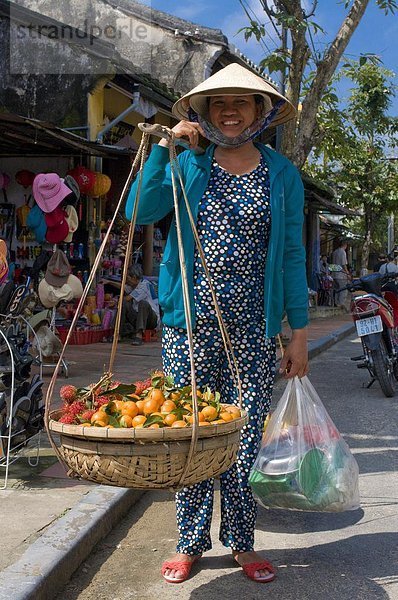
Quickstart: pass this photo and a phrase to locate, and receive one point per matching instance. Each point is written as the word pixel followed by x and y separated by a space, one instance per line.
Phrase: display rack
pixel 9 452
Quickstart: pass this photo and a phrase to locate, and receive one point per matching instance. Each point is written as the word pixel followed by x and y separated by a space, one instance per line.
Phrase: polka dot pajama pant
pixel 255 355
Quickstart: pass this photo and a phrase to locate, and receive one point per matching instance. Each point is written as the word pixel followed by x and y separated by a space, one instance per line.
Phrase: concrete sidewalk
pixel 51 523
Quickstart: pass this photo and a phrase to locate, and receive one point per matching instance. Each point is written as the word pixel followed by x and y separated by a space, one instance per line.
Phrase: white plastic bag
pixel 303 463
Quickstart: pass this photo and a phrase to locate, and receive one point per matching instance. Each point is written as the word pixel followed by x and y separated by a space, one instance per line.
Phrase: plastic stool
pixel 149 335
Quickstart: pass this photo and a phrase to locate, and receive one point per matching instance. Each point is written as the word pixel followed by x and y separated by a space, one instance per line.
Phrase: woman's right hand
pixel 188 130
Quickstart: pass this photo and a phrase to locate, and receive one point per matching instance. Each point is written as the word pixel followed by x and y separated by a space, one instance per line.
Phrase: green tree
pixel 360 168
pixel 308 71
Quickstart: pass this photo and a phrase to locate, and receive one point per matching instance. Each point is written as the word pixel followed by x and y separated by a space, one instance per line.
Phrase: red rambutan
pixel 68 419
pixel 76 408
pixel 86 415
pixel 100 401
pixel 68 393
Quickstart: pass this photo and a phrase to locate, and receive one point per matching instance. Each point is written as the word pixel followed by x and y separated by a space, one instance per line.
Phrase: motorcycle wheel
pixel 383 370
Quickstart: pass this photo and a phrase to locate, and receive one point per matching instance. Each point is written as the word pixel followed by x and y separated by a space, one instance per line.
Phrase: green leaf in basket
pixel 169 382
pixel 186 391
pixel 157 381
pixel 82 421
pixel 113 421
pixel 153 419
pixel 110 408
pixel 180 412
pixel 124 389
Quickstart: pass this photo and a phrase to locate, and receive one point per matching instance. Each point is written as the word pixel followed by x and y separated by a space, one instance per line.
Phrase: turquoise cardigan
pixel 285 278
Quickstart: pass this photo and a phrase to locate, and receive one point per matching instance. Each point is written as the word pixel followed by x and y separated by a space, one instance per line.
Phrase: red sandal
pixel 251 568
pixel 184 566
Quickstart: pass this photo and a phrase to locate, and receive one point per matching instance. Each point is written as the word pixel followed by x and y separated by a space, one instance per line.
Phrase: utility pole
pixel 279 129
pixel 390 233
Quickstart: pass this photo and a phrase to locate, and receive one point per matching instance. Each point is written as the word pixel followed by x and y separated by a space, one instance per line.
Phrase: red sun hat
pixel 25 178
pixel 57 226
pixel 84 177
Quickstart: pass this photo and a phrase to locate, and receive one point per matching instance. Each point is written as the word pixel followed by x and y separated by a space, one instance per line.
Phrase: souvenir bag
pixel 303 462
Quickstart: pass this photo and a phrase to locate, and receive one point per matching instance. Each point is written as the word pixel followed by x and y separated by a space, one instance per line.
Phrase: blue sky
pixel 376 33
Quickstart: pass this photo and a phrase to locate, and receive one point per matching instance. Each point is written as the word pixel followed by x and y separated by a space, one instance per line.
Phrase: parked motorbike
pixel 375 315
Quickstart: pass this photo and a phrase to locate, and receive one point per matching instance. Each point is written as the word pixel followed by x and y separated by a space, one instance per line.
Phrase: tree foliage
pixel 354 155
pixel 308 71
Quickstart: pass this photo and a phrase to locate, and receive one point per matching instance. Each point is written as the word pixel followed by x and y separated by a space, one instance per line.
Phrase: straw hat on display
pixel 233 80
pixel 72 220
pixel 3 261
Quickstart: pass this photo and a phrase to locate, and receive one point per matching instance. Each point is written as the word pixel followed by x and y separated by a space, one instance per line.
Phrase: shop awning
pixel 324 205
pixel 22 136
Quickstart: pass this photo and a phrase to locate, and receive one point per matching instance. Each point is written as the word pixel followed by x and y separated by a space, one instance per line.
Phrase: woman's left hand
pixel 295 358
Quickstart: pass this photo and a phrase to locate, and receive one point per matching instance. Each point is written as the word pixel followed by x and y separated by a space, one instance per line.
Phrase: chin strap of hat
pixel 256 128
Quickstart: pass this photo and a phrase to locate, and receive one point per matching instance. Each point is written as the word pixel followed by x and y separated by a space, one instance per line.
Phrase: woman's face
pixel 233 114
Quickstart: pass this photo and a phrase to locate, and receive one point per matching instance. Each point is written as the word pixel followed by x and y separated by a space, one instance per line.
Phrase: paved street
pixel 352 556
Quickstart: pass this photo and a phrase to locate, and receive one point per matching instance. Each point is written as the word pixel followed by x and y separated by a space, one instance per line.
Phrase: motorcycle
pixel 375 314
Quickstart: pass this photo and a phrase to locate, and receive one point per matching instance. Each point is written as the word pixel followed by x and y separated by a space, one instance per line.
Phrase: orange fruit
pixel 169 419
pixel 189 418
pixel 202 423
pixel 188 407
pixel 167 406
pixel 209 413
pixel 103 407
pixel 138 421
pixel 156 395
pixel 126 421
pixel 154 426
pixel 226 416
pixel 100 415
pixel 86 424
pixel 174 396
pixel 109 427
pixel 134 396
pixel 119 405
pixel 234 410
pixel 179 424
pixel 150 406
pixel 218 422
pixel 130 408
pixel 100 424
pixel 140 406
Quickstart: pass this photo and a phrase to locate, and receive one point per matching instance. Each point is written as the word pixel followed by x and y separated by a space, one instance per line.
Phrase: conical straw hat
pixel 233 80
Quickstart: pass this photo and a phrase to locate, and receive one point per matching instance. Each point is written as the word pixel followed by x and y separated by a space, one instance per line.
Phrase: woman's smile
pixel 232 114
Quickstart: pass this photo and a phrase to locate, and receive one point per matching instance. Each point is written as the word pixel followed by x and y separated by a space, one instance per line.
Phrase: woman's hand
pixel 186 129
pixel 295 358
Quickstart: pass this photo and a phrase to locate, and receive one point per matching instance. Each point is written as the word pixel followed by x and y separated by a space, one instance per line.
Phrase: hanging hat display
pixel 72 220
pixel 102 185
pixel 74 188
pixel 51 295
pixel 84 177
pixel 3 261
pixel 57 226
pixel 25 178
pixel 49 191
pixel 37 223
pixel 5 181
pixel 58 269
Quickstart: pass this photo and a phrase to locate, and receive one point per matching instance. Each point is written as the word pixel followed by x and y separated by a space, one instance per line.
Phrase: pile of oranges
pixel 160 404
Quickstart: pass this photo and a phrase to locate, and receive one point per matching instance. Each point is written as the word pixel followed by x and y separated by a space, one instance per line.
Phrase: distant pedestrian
pixel 389 267
pixel 341 277
pixel 381 260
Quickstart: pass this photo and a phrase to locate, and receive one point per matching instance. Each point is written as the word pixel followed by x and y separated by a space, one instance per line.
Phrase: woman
pixel 248 204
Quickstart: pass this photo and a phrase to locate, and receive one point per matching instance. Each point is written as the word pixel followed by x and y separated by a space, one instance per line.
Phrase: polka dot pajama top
pixel 233 224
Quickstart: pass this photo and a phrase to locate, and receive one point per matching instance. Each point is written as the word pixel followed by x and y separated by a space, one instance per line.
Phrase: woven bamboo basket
pixel 146 458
